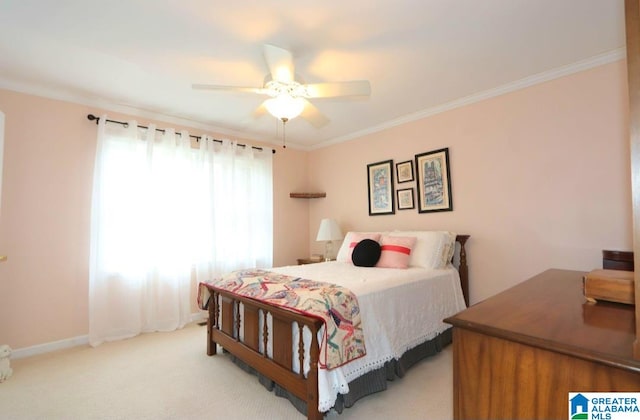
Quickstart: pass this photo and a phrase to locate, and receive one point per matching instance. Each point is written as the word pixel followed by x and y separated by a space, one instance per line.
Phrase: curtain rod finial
pixel 92 117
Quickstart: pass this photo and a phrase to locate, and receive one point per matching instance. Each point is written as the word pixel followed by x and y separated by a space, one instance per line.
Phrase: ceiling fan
pixel 289 97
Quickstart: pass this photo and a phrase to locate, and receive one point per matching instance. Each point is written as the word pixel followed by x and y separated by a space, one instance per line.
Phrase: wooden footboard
pixel 224 327
pixel 239 325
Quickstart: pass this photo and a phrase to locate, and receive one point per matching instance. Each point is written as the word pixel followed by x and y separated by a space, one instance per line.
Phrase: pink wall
pixel 540 177
pixel 46 204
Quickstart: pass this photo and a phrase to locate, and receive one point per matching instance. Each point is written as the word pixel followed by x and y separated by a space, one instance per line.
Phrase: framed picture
pixel 405 199
pixel 404 171
pixel 434 182
pixel 380 185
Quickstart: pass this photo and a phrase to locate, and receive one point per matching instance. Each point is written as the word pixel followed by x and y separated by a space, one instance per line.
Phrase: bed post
pixel 463 269
pixel 211 322
pixel 312 378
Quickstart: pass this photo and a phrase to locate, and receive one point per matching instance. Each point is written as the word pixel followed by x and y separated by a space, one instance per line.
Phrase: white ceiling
pixel 141 56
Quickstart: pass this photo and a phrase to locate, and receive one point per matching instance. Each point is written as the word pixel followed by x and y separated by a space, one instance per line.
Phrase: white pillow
pixel 433 249
pixel 351 239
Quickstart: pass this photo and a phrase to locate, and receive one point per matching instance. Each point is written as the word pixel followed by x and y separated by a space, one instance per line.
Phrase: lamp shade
pixel 329 231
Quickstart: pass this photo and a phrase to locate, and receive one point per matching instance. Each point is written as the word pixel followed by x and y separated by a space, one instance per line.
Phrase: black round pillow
pixel 366 253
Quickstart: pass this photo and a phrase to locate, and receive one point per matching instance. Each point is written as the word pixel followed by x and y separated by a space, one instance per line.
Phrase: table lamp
pixel 329 231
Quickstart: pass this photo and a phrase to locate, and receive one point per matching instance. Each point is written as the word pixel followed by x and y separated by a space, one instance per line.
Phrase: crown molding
pixel 91 101
pixel 582 65
pixel 109 106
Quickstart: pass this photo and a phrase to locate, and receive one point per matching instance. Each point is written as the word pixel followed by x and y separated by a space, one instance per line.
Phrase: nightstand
pixel 302 261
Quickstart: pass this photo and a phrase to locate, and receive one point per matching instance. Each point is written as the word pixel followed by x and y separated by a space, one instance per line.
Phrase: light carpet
pixel 169 376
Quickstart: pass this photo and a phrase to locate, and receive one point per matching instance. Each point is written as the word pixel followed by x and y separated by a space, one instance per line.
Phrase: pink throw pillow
pixel 396 251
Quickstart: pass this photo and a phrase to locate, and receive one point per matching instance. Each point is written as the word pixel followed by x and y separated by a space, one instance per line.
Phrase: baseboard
pixel 48 347
pixel 82 340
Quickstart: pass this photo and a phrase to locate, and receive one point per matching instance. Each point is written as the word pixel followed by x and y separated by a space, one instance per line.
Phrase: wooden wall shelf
pixel 307 195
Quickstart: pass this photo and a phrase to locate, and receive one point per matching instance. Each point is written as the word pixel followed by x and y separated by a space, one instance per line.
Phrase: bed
pixel 400 309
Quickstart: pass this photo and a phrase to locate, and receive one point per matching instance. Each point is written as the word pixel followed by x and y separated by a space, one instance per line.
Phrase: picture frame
pixel 405 199
pixel 380 188
pixel 404 171
pixel 434 181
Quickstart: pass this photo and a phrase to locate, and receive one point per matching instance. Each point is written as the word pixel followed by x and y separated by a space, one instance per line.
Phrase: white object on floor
pixel 5 369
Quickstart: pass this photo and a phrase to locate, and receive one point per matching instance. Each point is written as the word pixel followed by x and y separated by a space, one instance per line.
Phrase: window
pixel 165 213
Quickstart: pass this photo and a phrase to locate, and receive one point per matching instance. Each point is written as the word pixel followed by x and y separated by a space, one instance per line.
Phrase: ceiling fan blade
pixel 313 115
pixel 250 119
pixel 280 63
pixel 335 89
pixel 259 111
pixel 244 89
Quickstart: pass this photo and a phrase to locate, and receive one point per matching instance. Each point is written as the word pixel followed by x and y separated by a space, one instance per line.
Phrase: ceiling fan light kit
pixel 284 106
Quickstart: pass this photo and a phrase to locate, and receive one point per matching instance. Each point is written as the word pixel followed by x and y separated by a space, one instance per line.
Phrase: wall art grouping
pixel 433 184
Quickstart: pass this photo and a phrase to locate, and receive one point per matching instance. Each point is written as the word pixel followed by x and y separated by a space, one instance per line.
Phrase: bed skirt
pixel 370 382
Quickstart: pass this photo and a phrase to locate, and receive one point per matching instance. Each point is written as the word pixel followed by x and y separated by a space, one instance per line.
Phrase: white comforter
pixel 399 308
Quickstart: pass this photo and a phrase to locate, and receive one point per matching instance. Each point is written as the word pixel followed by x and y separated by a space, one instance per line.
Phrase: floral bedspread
pixel 342 340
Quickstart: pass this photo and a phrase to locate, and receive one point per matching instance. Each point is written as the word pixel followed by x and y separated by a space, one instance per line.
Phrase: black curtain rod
pixel 92 117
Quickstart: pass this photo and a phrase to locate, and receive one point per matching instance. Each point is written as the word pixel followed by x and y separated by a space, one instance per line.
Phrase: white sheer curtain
pixel 165 215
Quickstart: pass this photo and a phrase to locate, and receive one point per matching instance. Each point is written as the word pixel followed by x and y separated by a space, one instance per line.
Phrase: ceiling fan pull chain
pixel 284 132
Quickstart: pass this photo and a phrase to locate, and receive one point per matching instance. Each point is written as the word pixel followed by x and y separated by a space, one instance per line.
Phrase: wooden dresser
pixel 518 354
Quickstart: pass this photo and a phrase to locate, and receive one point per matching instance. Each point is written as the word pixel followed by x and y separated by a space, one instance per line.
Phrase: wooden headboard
pixel 463 269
